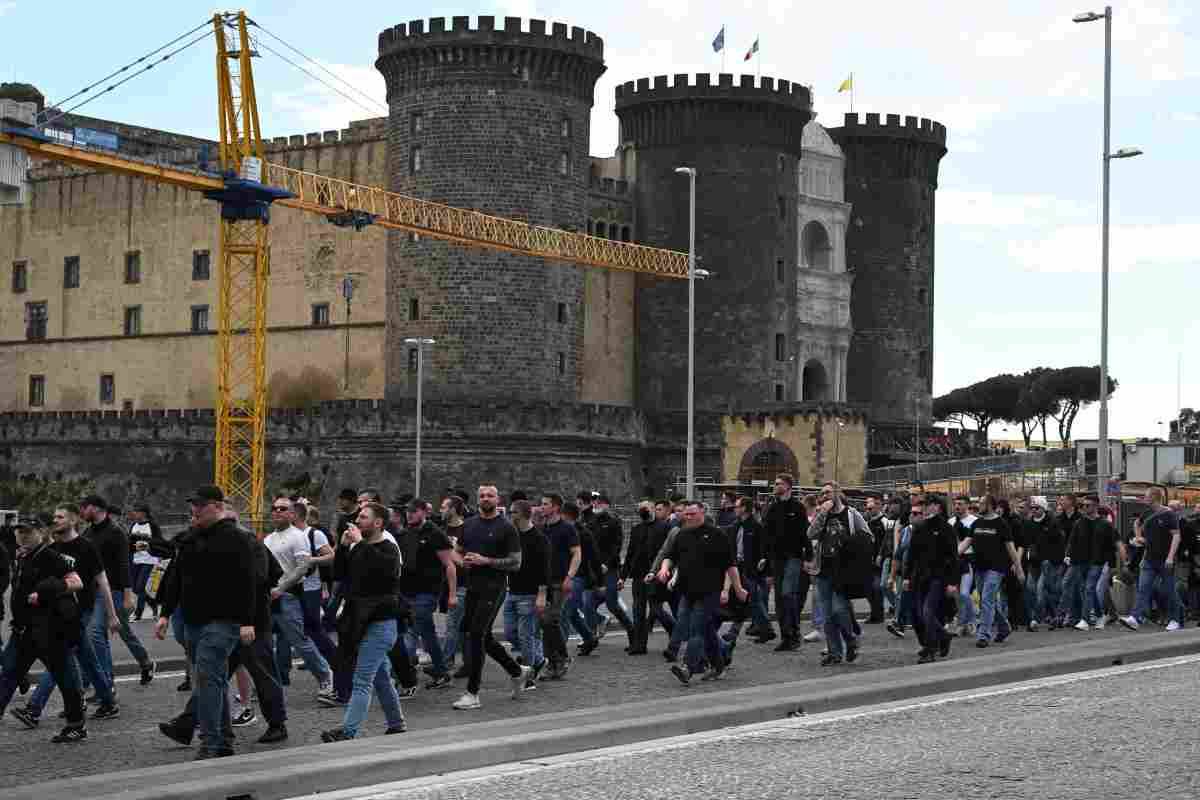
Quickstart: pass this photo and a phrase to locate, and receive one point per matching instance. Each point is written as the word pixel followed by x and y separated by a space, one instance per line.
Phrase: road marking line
pixel 398 789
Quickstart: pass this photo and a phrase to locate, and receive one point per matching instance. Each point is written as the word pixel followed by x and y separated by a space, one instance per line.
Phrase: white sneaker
pixel 327 692
pixel 1129 622
pixel 1173 625
pixel 1102 622
pixel 519 681
pixel 1082 625
pixel 814 636
pixel 468 702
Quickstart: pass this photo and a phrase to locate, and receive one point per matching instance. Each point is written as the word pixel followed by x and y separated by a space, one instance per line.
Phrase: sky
pixel 1019 88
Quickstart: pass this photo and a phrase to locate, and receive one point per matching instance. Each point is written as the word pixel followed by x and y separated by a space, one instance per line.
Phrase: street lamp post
pixel 420 343
pixel 693 273
pixel 1104 465
pixel 837 448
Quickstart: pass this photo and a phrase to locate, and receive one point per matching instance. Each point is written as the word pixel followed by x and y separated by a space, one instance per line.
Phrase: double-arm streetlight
pixel 693 274
pixel 1104 467
pixel 420 344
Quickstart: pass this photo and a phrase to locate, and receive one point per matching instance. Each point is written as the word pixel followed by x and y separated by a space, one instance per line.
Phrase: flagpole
pixel 851 92
pixel 758 59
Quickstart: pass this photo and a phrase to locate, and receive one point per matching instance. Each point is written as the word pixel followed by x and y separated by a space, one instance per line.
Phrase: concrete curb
pixel 303 771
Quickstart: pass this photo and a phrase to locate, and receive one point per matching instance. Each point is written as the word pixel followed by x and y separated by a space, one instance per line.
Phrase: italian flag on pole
pixel 753 49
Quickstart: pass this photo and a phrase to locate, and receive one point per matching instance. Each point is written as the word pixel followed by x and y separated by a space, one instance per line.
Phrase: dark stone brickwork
pixel 891 177
pixel 745 142
pixel 493 112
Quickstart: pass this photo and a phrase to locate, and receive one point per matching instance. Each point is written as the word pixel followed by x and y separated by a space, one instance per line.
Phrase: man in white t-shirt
pixel 314 591
pixel 291 549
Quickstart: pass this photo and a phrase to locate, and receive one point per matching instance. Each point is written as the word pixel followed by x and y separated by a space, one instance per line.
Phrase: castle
pixel 817 315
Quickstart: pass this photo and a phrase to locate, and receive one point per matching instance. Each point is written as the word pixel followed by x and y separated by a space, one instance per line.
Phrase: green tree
pixel 1073 388
pixel 31 494
pixel 1034 405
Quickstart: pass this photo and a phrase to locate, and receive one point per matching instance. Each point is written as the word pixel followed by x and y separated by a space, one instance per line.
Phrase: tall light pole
pixel 837 448
pixel 693 273
pixel 1104 463
pixel 420 343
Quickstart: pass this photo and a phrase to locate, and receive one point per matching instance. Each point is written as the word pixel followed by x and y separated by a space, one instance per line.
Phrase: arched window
pixel 815 248
pixel 625 233
pixel 591 228
pixel 815 382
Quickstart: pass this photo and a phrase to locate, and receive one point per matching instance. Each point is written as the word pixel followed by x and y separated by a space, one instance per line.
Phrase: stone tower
pixel 498 120
pixel 745 142
pixel 891 177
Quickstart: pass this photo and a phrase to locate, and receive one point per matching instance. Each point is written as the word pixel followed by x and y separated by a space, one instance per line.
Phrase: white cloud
pixel 989 209
pixel 1076 248
pixel 7 6
pixel 317 107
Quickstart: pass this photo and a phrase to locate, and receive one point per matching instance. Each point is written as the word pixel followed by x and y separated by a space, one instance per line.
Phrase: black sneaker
pixel 438 681
pixel 70 734
pixel 274 735
pixel 895 630
pixel 670 656
pixel 148 673
pixel 335 735
pixel 1000 637
pixel 682 673
pixel 110 711
pixel 186 686
pixel 462 672
pixel 407 692
pixel 589 647
pixel 787 646
pixel 944 649
pixel 530 685
pixel 401 728
pixel 29 718
pixel 829 660
pixel 23 685
pixel 245 719
pixel 176 733
pixel 851 652
pixel 981 643
pixel 764 637
pixel 925 657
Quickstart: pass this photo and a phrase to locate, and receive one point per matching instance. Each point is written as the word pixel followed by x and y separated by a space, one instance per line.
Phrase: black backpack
pixel 326 569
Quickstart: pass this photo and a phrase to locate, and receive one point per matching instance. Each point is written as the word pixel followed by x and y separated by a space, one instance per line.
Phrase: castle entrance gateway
pixel 764 460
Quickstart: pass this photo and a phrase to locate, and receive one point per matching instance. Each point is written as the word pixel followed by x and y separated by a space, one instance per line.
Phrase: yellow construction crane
pixel 246 188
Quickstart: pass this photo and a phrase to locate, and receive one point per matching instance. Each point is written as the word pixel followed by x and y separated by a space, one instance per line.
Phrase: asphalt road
pixel 606 678
pixel 1126 732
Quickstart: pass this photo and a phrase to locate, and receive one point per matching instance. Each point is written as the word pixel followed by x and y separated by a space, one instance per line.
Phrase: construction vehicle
pixel 246 187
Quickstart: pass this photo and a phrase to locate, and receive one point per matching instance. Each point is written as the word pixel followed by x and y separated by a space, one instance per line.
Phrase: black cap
pixel 417 504
pixel 43 519
pixel 207 494
pixel 24 522
pixel 94 500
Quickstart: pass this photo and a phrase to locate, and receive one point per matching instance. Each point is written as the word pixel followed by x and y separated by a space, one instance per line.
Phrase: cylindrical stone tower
pixel 496 120
pixel 891 177
pixel 744 140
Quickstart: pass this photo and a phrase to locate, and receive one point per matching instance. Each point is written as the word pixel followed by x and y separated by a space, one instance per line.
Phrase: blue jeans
pixel 683 627
pixel 839 631
pixel 905 614
pixel 138 575
pixel 82 661
pixel 289 619
pixel 454 625
pixel 993 606
pixel 371 669
pixel 573 611
pixel 423 606
pixel 758 601
pixel 212 644
pixel 1155 578
pixel 1049 591
pixel 966 605
pixel 885 585
pixel 611 597
pixel 789 615
pixel 522 628
pixel 704 615
pixel 99 634
pixel 1095 601
pixel 1075 592
pixel 1030 589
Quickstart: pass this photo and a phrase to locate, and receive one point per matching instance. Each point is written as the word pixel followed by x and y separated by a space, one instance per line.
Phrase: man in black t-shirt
pixel 995 554
pixel 86 563
pixel 565 559
pixel 427 564
pixel 1160 535
pixel 490 549
pixel 526 603
pixel 707 571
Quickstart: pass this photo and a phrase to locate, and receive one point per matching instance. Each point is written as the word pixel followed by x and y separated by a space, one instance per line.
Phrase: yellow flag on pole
pixel 847 85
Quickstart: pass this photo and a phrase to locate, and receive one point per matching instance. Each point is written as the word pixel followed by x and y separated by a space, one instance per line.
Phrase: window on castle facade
pixel 417 162
pixel 320 314
pixel 414 309
pixel 565 128
pixel 36 320
pixel 133 267
pixel 20 276
pixel 779 393
pixel 562 364
pixel 564 163
pixel 108 390
pixel 201 265
pixel 418 123
pixel 71 272
pixel 780 272
pixel 780 347
pixel 199 319
pixel 37 391
pixel 562 313
pixel 782 201
pixel 133 321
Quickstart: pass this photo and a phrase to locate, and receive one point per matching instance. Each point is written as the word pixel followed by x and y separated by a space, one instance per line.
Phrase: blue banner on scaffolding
pixel 86 137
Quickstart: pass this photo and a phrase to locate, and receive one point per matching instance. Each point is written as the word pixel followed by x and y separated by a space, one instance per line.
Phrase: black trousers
pixel 553 643
pixel 650 603
pixel 259 661
pixel 482 606
pixel 1015 592
pixel 401 660
pixel 22 652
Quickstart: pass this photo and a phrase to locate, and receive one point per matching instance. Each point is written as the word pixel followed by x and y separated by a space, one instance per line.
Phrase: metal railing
pixel 970 467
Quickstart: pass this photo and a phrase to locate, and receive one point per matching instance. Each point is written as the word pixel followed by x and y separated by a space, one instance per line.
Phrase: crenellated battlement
pixel 913 128
pixel 416 34
pixel 363 130
pixel 692 87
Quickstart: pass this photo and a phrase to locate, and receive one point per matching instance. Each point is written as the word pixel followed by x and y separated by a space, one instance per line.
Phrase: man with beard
pixel 707 572
pixel 1045 539
pixel 846 550
pixel 747 536
pixel 788 547
pixel 651 600
pixel 931 571
pixel 995 553
pixel 610 540
pixel 490 549
pixel 562 541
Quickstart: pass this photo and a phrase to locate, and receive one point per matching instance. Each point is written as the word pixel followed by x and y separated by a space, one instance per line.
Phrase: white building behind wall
pixel 823 325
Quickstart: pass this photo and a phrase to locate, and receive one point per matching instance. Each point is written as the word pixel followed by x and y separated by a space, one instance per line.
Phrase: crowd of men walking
pixel 357 601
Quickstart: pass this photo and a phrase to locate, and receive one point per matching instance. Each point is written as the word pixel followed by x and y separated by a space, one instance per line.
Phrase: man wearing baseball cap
pixel 212 580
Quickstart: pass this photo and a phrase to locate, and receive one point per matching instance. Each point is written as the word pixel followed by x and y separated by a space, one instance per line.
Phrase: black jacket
pixel 610 538
pixel 1079 541
pixel 212 577
pixel 113 543
pixel 590 561
pixel 54 621
pixel 5 575
pixel 786 525
pixel 638 556
pixel 753 535
pixel 370 578
pixel 932 552
pixel 1044 541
